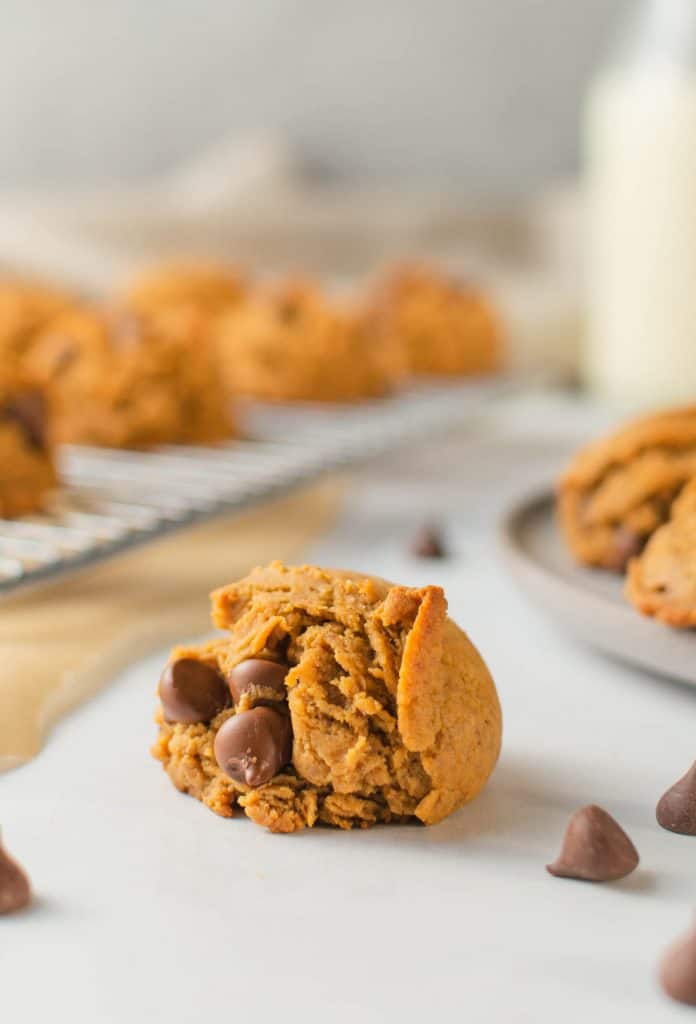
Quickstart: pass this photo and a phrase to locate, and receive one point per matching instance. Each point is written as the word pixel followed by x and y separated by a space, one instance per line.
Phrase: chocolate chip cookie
pixel 662 580
pixel 438 325
pixel 617 491
pixel 333 698
pixel 292 343
pixel 130 380
pixel 211 288
pixel 27 471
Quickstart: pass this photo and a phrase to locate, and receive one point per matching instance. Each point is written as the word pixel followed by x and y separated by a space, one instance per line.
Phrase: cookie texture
pixel 393 713
pixel 27 470
pixel 661 582
pixel 437 324
pixel 292 343
pixel 128 380
pixel 617 491
pixel 211 288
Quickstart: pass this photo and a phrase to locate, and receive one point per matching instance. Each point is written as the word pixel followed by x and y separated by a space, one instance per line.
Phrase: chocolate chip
pixel 250 747
pixel 257 679
pixel 28 411
pixel 626 545
pixel 191 691
pixel 595 848
pixel 15 891
pixel 676 810
pixel 428 543
pixel 678 970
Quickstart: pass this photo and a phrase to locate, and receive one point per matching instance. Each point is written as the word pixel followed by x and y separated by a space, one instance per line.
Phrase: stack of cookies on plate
pixel 169 359
pixel 627 503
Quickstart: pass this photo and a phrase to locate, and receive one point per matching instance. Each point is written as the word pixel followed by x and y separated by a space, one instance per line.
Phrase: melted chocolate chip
pixel 191 691
pixel 257 679
pixel 28 411
pixel 595 848
pixel 678 970
pixel 626 545
pixel 676 810
pixel 252 746
pixel 428 543
pixel 15 890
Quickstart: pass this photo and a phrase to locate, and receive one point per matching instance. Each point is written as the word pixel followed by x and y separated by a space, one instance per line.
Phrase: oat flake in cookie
pixel 348 702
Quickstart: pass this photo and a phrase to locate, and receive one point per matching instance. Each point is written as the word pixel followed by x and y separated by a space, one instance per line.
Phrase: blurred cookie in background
pixel 27 471
pixel 440 326
pixel 212 288
pixel 128 380
pixel 26 308
pixel 292 342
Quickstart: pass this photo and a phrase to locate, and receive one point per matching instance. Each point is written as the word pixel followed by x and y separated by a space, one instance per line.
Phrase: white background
pixel 481 93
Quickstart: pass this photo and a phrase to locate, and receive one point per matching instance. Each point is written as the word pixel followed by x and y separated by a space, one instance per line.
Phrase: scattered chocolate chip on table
pixel 676 809
pixel 595 848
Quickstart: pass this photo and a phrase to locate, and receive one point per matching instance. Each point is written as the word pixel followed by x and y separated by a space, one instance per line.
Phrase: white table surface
pixel 149 908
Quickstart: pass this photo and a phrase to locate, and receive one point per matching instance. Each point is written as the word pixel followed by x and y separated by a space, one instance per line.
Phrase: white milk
pixel 640 139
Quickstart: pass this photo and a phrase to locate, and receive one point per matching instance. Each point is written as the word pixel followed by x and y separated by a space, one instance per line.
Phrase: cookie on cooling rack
pixel 212 288
pixel 26 308
pixel 333 698
pixel 27 471
pixel 438 325
pixel 662 580
pixel 127 380
pixel 617 491
pixel 292 343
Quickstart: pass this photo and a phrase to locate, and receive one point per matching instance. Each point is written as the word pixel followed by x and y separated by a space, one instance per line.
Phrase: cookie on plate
pixel 292 343
pixel 125 380
pixel 27 471
pixel 617 491
pixel 333 699
pixel 662 580
pixel 211 288
pixel 439 326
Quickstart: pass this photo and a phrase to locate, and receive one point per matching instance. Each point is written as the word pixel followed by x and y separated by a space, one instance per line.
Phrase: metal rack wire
pixel 114 500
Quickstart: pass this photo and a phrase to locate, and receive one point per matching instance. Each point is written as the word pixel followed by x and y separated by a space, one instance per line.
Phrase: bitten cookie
pixel 617 491
pixel 332 698
pixel 438 325
pixel 662 580
pixel 27 470
pixel 125 380
pixel 211 288
pixel 292 344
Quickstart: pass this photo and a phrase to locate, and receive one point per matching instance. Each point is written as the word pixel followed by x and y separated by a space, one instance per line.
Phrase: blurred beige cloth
pixel 62 643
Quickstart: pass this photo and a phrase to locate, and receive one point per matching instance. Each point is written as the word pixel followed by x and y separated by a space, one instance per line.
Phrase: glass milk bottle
pixel 640 147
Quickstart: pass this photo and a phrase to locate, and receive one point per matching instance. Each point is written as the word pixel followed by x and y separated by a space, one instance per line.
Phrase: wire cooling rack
pixel 114 500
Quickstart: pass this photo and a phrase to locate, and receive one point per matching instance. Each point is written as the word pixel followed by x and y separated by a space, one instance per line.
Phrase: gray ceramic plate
pixel 588 602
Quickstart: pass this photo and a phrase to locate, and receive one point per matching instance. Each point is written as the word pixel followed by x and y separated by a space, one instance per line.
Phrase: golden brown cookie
pixel 440 326
pixel 617 491
pixel 27 471
pixel 291 343
pixel 211 288
pixel 662 580
pixel 333 698
pixel 132 381
pixel 26 308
